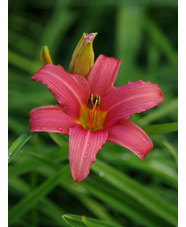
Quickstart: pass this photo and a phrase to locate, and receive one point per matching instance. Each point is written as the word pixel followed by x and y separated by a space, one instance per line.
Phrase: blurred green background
pixel 144 35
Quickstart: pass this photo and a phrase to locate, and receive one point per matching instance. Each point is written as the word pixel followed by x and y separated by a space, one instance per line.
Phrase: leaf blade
pixel 17 145
pixel 161 128
pixel 137 191
pixel 72 219
pixel 38 193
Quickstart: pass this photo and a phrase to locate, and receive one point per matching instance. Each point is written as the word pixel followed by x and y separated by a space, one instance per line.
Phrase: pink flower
pixel 92 111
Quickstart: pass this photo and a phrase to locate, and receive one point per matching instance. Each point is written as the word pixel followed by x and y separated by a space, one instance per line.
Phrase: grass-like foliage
pixel 120 190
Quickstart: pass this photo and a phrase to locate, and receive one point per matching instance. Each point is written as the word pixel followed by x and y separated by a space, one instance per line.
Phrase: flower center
pixel 91 116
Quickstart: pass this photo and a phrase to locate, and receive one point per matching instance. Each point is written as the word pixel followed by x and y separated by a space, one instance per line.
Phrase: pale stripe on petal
pixel 69 90
pixel 103 75
pixel 83 147
pixel 50 118
pixel 127 134
pixel 134 97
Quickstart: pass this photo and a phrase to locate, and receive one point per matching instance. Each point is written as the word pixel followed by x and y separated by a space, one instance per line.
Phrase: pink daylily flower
pixel 92 111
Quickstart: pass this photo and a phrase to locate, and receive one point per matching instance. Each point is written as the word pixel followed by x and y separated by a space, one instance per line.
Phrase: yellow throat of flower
pixel 91 117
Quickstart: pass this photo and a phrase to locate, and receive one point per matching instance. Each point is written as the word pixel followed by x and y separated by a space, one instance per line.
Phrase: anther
pixel 89 104
pixel 93 101
pixel 94 115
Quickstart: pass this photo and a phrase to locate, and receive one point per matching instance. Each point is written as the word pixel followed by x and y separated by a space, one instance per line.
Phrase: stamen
pixel 95 105
pixel 88 116
pixel 91 98
pixel 96 121
pixel 100 113
pixel 94 114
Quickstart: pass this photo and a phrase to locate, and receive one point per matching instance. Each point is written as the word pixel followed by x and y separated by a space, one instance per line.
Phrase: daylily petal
pixel 70 90
pixel 50 118
pixel 130 136
pixel 103 75
pixel 83 147
pixel 134 97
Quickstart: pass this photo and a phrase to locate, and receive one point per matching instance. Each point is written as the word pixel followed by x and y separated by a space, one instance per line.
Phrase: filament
pixel 94 115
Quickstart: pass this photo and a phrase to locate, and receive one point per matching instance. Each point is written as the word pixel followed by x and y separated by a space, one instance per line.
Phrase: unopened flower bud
pixel 83 56
pixel 45 56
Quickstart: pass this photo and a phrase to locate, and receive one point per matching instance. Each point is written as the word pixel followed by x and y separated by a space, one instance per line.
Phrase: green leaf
pixel 79 221
pixel 86 222
pixel 160 40
pixel 30 164
pixel 165 109
pixel 46 206
pixel 17 145
pixel 57 28
pixel 58 139
pixel 151 166
pixel 45 160
pixel 119 3
pixel 97 208
pixel 116 200
pixel 171 150
pixel 126 49
pixel 134 189
pixel 161 128
pixel 22 62
pixel 37 194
